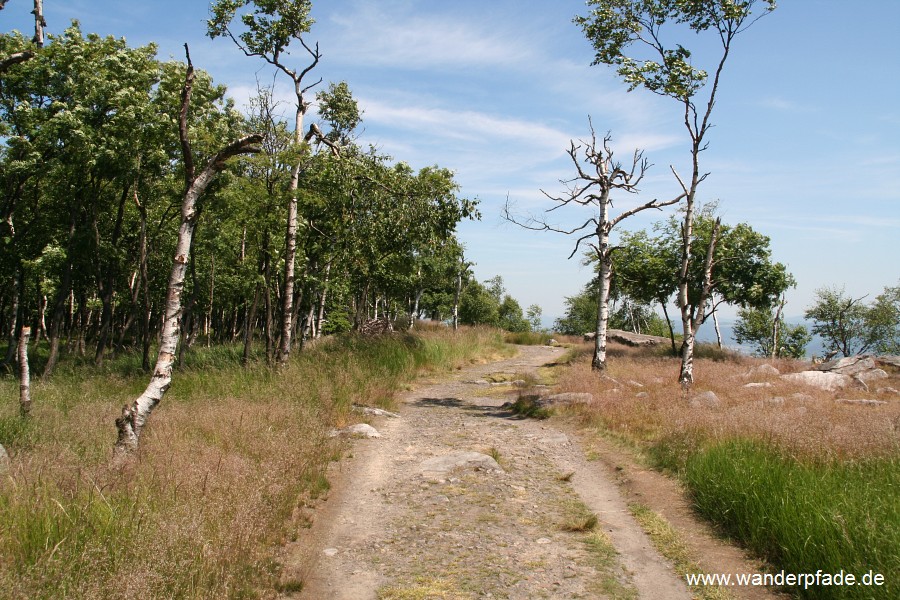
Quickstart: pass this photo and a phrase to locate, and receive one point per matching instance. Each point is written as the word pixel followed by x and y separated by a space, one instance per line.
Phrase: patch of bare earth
pixel 398 523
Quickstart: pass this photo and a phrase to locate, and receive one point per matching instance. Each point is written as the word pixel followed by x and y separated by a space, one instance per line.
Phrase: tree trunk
pixel 775 322
pixel 598 363
pixel 320 319
pixel 13 321
pixel 134 416
pixel 715 316
pixel 669 323
pixel 456 296
pixel 692 316
pixel 24 375
pixel 249 327
pixel 59 303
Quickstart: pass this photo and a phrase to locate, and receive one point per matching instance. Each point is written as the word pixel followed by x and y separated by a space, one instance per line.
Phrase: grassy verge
pixel 226 465
pixel 806 482
pixel 805 517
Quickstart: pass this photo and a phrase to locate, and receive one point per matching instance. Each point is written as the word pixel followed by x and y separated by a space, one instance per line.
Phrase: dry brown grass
pixel 642 402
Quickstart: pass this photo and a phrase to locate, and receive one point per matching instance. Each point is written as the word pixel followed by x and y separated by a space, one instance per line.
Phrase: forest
pixel 93 174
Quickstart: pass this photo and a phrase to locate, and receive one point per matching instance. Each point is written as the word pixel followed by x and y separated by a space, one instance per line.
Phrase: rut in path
pixel 395 527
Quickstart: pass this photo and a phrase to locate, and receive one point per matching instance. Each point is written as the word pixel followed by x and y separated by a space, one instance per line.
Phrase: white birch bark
pixel 24 374
pixel 134 415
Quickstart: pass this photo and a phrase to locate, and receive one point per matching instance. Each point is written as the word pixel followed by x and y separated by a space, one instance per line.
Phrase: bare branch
pixel 186 91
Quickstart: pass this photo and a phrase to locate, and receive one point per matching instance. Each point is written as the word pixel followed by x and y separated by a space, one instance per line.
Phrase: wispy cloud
pixel 390 34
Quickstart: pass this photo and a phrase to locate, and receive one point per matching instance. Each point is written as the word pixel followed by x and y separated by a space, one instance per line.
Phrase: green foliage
pixel 647 267
pixel 581 313
pixel 756 326
pixel 850 326
pixel 626 34
pixel 269 27
pixel 533 314
pixel 841 320
pixel 804 517
pixel 477 306
pixel 339 109
pixel 510 317
pixel 884 321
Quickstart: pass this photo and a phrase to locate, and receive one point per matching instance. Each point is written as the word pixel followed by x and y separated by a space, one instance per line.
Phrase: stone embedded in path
pixel 378 412
pixel 439 467
pixel 820 379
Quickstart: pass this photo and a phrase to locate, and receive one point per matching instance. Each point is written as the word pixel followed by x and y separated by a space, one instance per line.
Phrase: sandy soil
pixel 397 526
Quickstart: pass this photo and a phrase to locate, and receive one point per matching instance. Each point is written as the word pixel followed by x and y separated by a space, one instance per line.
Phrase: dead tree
pixel 599 175
pixel 37 40
pixel 134 416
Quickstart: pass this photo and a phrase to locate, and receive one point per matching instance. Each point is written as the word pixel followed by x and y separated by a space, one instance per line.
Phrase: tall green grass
pixel 805 517
pixel 227 463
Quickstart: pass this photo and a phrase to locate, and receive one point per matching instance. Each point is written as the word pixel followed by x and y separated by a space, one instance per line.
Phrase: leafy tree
pixel 849 326
pixel 270 28
pixel 630 35
pixel 884 321
pixel 581 313
pixel 478 306
pixel 533 314
pixel 757 326
pixel 510 316
pixel 738 271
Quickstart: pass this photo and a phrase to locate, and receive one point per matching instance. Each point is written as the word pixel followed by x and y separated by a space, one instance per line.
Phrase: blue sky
pixel 806 146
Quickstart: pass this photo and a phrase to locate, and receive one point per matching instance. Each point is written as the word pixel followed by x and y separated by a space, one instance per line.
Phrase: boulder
pixel 705 399
pixel 873 375
pixel 888 391
pixel 634 339
pixel 820 379
pixel 764 370
pixel 849 365
pixel 893 361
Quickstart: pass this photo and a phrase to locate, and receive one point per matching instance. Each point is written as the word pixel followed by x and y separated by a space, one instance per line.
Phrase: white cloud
pixel 388 34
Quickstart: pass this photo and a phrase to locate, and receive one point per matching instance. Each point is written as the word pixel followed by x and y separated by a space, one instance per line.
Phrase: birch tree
pixel 134 416
pixel 599 175
pixel 270 29
pixel 631 35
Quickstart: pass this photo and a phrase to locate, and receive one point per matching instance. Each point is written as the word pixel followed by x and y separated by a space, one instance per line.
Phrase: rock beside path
pixel 360 429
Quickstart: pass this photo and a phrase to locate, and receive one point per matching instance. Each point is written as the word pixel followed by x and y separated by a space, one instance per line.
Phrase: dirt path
pixel 396 525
